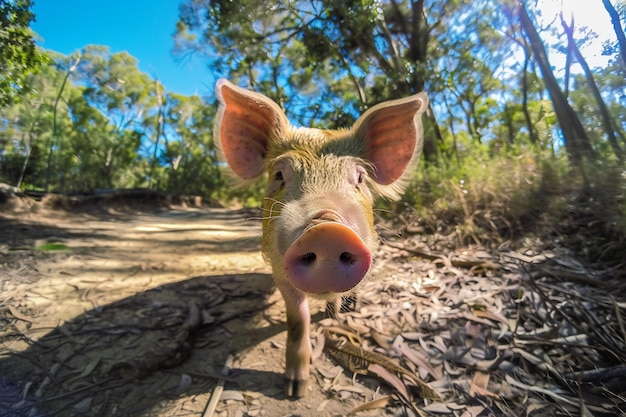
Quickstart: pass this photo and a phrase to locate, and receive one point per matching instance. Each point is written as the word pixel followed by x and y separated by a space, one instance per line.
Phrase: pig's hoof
pixel 295 387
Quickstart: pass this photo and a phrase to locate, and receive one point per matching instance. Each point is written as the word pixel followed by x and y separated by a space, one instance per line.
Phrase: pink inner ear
pixel 391 136
pixel 246 124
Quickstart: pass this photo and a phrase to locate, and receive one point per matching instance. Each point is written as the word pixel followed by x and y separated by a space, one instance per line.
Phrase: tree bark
pixel 418 31
pixel 617 26
pixel 159 93
pixel 576 140
pixel 532 134
pixel 568 59
pixel 55 132
pixel 607 121
pixel 29 150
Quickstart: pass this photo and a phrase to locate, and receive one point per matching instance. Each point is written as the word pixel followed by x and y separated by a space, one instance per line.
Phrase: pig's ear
pixel 392 134
pixel 245 125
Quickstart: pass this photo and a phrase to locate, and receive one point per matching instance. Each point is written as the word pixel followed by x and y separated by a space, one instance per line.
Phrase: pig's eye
pixel 360 175
pixel 278 176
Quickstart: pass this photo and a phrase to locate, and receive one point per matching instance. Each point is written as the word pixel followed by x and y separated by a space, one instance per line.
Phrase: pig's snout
pixel 328 257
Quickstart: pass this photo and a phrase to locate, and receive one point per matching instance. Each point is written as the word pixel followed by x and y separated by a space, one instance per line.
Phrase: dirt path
pixel 136 313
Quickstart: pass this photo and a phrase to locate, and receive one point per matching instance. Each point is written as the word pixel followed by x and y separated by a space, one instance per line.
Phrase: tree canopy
pixel 471 57
pixel 19 55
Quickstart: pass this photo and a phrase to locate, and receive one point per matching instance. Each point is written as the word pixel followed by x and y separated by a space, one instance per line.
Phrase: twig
pixel 457 263
pixel 34 362
pixel 596 332
pixel 65 395
pixel 570 276
pixel 620 320
pixel 597 374
pixel 217 392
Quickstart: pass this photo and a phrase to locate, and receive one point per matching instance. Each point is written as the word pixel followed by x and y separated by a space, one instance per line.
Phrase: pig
pixel 318 223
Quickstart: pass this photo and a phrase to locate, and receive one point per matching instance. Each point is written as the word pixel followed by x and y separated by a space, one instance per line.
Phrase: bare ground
pixel 123 312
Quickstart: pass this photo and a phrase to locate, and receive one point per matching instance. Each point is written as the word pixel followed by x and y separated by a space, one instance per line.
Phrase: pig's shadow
pixel 127 356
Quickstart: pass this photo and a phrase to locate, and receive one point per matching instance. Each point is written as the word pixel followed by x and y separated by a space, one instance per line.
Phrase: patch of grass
pixel 523 195
pixel 52 247
pixel 485 197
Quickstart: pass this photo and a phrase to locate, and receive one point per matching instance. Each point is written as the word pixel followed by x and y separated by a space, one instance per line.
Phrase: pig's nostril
pixel 347 258
pixel 307 259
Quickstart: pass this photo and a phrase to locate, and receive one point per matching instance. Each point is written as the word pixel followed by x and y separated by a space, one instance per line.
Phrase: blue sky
pixel 142 28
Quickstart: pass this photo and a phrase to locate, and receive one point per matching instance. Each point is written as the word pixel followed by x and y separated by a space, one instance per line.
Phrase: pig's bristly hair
pixel 271 213
pixel 382 136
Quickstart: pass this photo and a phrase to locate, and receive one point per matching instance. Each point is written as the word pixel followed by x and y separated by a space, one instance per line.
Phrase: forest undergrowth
pixel 522 199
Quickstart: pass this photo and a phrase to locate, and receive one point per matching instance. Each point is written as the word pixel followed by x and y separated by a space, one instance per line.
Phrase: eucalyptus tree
pixel 26 129
pixel 345 56
pixel 19 55
pixel 189 159
pixel 341 56
pixel 616 21
pixel 115 101
pixel 610 127
pixel 576 139
pixel 468 69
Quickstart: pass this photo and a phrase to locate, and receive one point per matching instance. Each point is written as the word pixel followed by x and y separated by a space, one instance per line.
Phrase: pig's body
pixel 318 227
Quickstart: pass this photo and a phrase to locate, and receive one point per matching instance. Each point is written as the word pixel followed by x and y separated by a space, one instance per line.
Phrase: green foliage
pixel 52 247
pixel 490 195
pixel 98 122
pixel 19 56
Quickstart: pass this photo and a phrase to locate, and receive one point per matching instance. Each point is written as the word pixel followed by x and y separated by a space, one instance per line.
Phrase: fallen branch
pixel 597 374
pixel 360 361
pixel 217 392
pixel 472 265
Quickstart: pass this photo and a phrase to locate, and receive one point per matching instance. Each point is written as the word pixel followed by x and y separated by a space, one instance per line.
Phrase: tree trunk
pixel 455 148
pixel 508 122
pixel 576 139
pixel 532 134
pixel 55 132
pixel 617 26
pixel 417 26
pixel 29 150
pixel 604 111
pixel 568 60
pixel 159 93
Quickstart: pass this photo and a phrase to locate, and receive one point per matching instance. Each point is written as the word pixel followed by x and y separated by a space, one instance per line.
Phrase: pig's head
pixel 318 231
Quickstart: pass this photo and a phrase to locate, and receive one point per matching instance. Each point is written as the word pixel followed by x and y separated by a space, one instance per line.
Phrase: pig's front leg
pixel 298 356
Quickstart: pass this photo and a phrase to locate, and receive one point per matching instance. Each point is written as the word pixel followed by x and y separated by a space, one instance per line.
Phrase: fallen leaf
pixel 352 389
pixel 390 379
pixel 473 411
pixel 52 247
pixel 15 312
pixel 380 339
pixel 232 395
pixel 330 373
pixel 184 384
pixel 84 405
pixel 439 408
pixel 478 386
pixel 375 404
pixel 90 367
pixel 420 361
